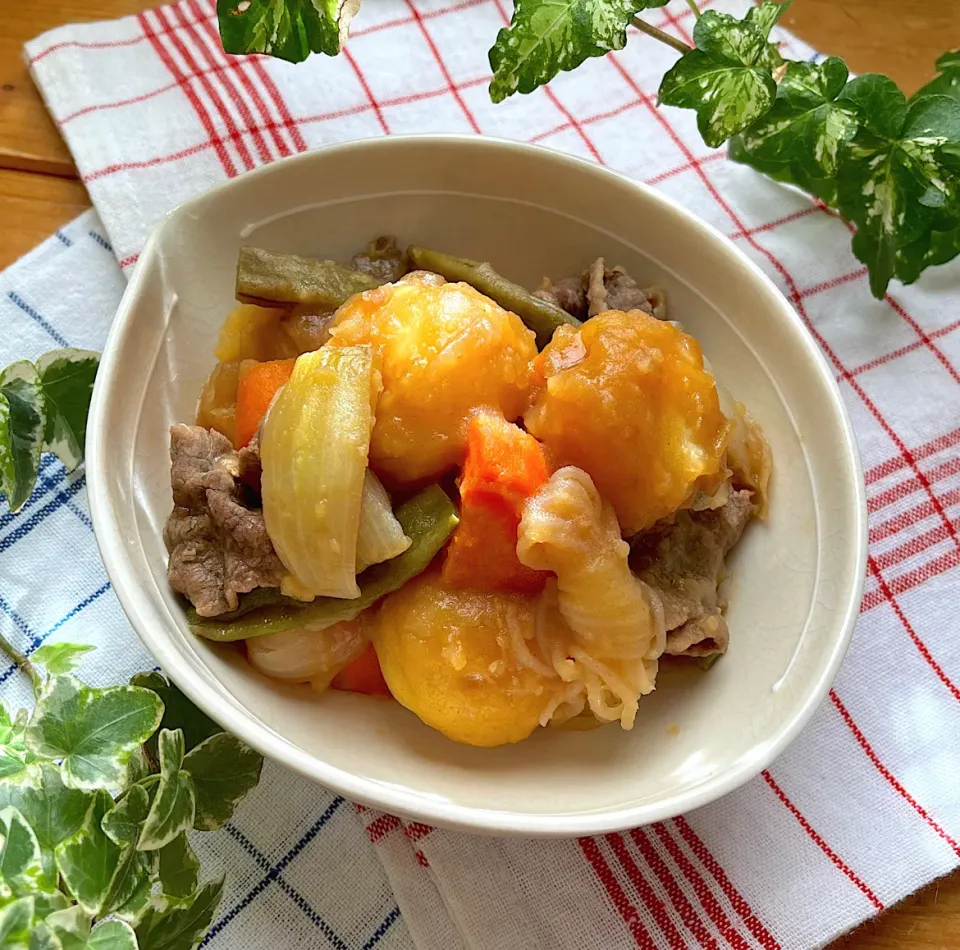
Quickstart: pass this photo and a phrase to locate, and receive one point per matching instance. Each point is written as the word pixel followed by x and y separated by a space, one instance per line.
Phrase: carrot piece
pixel 363 675
pixel 258 385
pixel 504 467
pixel 501 460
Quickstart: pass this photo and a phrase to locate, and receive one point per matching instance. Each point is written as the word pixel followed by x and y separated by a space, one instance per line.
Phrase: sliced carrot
pixel 363 675
pixel 504 467
pixel 258 385
pixel 501 460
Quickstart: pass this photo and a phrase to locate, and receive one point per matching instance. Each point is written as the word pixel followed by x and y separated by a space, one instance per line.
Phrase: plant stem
pixel 644 27
pixel 693 6
pixel 23 664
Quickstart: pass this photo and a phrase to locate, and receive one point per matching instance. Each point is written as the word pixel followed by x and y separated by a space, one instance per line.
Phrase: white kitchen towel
pixel 861 810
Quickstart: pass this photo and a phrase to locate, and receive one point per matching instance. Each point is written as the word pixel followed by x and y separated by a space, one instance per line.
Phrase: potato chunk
pixel 453 657
pixel 444 350
pixel 626 398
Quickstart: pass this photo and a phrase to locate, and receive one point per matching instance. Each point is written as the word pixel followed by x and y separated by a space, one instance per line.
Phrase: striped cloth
pixel 860 811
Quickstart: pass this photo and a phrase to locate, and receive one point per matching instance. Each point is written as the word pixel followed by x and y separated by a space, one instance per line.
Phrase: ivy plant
pixel 43 408
pixel 887 163
pixel 101 791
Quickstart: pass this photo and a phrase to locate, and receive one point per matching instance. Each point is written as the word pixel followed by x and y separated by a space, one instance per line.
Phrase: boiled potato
pixel 450 657
pixel 626 398
pixel 444 350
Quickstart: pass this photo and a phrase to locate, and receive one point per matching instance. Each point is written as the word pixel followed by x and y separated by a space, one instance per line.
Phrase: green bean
pixel 269 279
pixel 427 519
pixel 541 316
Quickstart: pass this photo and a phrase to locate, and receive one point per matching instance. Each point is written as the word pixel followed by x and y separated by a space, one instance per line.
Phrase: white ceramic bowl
pixel 797 578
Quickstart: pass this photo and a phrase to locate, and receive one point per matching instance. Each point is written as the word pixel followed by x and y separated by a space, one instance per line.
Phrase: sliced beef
pixel 568 294
pixel 218 547
pixel 683 562
pixel 598 289
pixel 199 459
pixel 248 462
pixel 383 260
pixel 613 290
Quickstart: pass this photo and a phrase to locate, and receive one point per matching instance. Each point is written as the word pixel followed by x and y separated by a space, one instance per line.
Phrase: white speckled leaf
pixel 174 806
pixel 727 79
pixel 66 378
pixel 894 187
pixel 21 431
pixel 806 124
pixel 287 29
pixel 548 36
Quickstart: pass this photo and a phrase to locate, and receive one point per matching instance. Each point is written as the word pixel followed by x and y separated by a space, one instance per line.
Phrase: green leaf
pixel 178 713
pixel 45 904
pixel 54 811
pixel 6 725
pixel 179 868
pixel 66 927
pixel 805 125
pixel 224 769
pixel 94 731
pixel 896 190
pixel 21 868
pixel 727 79
pixel 178 926
pixel 547 36
pixel 122 823
pixel 88 859
pixel 66 379
pixel 112 935
pixel 70 930
pixel 933 248
pixel 130 886
pixel 16 922
pixel 880 103
pixel 947 83
pixel 13 753
pixel 13 762
pixel 61 657
pixel 288 29
pixel 174 806
pixel 21 431
pixel 933 117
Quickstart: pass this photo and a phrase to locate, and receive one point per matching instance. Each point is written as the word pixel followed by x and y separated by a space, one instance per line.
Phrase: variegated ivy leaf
pixel 94 731
pixel 53 811
pixel 892 182
pixel 806 125
pixel 60 657
pixel 180 926
pixel 70 930
pixel 21 868
pixel 21 431
pixel 14 760
pixel 178 712
pixel 174 805
pixel 728 78
pixel 122 823
pixel 130 886
pixel 288 29
pixel 66 379
pixel 224 769
pixel 179 868
pixel 88 859
pixel 16 923
pixel 548 36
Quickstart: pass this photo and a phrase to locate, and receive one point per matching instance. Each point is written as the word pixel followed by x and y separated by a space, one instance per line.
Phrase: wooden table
pixel 39 192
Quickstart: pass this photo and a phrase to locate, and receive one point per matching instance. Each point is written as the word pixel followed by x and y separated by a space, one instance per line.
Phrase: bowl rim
pixel 403 801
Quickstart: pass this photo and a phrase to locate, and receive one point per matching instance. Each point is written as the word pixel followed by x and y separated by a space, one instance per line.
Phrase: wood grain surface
pixel 39 193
